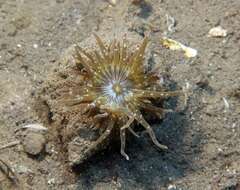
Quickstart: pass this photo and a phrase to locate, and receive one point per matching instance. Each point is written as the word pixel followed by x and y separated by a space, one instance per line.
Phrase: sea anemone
pixel 117 85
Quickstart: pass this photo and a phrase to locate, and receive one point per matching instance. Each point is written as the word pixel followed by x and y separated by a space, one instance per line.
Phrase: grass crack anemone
pixel 118 86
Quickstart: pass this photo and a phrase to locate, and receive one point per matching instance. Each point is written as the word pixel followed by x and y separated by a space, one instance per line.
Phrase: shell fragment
pixel 175 45
pixel 35 127
pixel 217 32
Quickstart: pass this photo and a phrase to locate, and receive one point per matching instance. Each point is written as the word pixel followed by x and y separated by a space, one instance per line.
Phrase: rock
pixel 34 143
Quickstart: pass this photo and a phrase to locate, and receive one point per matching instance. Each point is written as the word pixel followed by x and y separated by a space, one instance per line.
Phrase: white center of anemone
pixel 115 91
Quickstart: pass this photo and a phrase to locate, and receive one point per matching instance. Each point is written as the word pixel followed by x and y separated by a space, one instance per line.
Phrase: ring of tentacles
pixel 118 85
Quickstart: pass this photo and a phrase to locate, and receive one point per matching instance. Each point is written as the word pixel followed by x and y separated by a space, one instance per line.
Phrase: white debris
pixel 220 150
pixel 190 52
pixel 112 2
pixel 170 23
pixel 175 45
pixel 172 187
pixel 51 181
pixel 35 127
pixel 187 85
pixel 35 46
pixel 226 103
pixel 217 32
pixel 234 125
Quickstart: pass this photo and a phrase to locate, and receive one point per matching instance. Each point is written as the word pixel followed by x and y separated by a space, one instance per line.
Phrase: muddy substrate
pixel 204 138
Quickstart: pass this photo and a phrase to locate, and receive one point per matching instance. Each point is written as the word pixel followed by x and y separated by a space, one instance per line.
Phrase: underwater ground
pixel 204 136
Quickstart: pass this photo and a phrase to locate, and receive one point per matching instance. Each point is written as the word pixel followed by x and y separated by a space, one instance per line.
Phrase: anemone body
pixel 117 84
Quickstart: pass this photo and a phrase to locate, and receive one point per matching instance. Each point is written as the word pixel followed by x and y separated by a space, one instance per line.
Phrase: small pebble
pixel 34 143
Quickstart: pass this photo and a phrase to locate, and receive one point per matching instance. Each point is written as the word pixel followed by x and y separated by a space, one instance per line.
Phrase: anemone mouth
pixel 116 86
pixel 116 92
